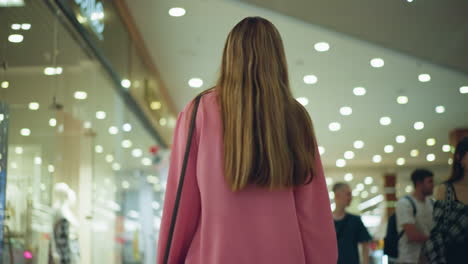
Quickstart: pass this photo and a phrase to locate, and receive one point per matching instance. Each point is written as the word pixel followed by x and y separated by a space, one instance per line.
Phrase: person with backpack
pixel 414 217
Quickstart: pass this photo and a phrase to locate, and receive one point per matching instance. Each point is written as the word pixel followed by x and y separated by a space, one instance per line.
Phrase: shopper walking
pixel 414 217
pixel 448 242
pixel 254 189
pixel 350 231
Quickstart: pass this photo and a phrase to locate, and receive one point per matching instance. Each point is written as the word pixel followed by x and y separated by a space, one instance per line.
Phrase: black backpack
pixel 392 237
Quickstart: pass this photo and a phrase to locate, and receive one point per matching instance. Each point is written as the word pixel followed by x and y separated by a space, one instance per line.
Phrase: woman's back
pixel 253 225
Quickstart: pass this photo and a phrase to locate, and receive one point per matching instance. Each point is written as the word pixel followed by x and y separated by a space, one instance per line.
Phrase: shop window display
pixel 83 176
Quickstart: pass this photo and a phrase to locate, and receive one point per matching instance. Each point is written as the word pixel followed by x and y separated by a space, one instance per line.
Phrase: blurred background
pixel 90 91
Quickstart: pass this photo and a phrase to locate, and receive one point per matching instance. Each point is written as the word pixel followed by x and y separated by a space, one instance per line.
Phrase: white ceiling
pixel 191 46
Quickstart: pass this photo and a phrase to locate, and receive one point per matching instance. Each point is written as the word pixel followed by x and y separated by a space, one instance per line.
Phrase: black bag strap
pixel 412 204
pixel 407 197
pixel 181 179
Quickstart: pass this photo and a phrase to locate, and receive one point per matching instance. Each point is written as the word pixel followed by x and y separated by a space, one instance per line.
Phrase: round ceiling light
pixel 322 46
pixel 177 11
pixel 377 63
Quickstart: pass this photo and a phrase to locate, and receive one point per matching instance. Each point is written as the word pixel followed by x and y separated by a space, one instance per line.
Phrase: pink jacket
pixel 218 226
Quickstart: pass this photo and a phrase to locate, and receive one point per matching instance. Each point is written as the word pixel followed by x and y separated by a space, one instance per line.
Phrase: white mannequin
pixel 64 200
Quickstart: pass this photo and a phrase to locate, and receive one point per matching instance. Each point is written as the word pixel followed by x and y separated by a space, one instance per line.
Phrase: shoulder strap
pixel 450 195
pixel 181 179
pixel 412 204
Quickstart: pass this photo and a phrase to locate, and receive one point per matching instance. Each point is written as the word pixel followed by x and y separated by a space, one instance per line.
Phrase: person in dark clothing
pixel 448 241
pixel 350 230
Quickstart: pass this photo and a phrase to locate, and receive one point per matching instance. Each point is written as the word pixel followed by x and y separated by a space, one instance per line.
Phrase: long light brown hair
pixel 269 140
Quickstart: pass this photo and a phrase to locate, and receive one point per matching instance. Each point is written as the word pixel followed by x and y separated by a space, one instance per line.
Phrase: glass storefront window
pixel 83 174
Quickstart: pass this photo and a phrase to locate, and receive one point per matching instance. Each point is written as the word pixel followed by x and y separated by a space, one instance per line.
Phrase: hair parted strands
pixel 269 139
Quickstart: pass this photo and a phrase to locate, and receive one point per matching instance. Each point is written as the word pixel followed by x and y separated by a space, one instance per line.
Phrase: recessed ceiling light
pixel 400 139
pixel 87 124
pixel 364 194
pixel 310 79
pixel 360 187
pixel 377 63
pixel 355 193
pixel 374 189
pixel 377 159
pixel 116 166
pixel 430 157
pixel 349 155
pixel 334 126
pixel 450 161
pixel 340 163
pixel 146 161
pixel 155 105
pixel 137 153
pixel 25 132
pixel 125 184
pixel 418 125
pixel 348 177
pixel 177 12
pixel 126 143
pixel 464 89
pixel 346 110
pixel 414 153
pixel 359 91
pixel 195 82
pixel 109 158
pixel 51 168
pixel 385 121
pixel 15 26
pixel 34 106
pixel 25 26
pixel 127 127
pixel 126 83
pixel 19 150
pixel 358 144
pixel 446 148
pixel 52 122
pixel 322 46
pixel 401 161
pixel 5 84
pixel 402 99
pixel 440 109
pixel 80 95
pixel 329 180
pixel 37 160
pixel 430 141
pixel 15 38
pixel 321 150
pixel 49 71
pixel 408 188
pixel 163 121
pixel 303 100
pixel 424 77
pixel 53 71
pixel 113 130
pixel 388 149
pixel 100 115
pixel 98 149
pixel 368 180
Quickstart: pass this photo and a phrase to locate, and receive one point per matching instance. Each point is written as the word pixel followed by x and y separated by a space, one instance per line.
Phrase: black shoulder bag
pixel 181 181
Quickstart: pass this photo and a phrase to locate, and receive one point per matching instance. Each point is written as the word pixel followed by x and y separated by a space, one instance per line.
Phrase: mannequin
pixel 65 223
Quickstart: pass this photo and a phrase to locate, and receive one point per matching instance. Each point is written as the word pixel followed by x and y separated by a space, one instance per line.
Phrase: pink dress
pixel 253 226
